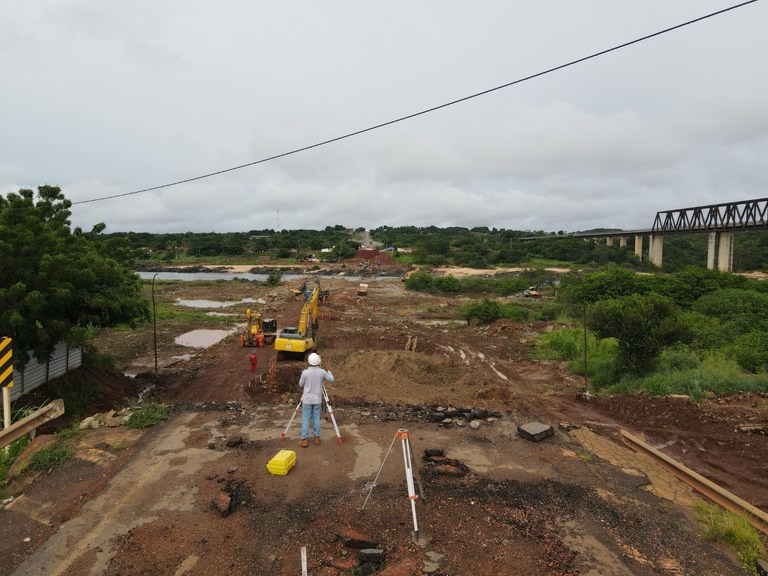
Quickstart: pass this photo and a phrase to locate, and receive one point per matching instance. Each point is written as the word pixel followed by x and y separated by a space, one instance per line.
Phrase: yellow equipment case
pixel 282 462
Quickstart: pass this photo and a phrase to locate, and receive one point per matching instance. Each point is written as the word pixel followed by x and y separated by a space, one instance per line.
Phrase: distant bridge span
pixel 728 217
pixel 720 221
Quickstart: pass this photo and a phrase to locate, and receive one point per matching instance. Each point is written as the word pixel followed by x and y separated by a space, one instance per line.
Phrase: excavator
pixel 300 290
pixel 321 294
pixel 300 339
pixel 258 331
pixel 533 291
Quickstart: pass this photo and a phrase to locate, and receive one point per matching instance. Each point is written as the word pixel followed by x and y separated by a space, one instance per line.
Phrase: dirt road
pixel 177 499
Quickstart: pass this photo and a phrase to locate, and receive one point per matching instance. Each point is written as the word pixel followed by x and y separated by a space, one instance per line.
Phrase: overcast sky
pixel 103 98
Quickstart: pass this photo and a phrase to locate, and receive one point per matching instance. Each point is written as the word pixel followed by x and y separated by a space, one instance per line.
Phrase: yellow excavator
pixel 258 331
pixel 533 291
pixel 302 290
pixel 299 339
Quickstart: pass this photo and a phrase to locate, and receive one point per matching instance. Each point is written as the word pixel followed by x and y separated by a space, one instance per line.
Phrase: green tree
pixel 642 325
pixel 419 281
pixel 742 310
pixel 693 282
pixel 57 284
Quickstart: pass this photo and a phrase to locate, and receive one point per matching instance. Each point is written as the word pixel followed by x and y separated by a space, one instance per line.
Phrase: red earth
pixel 176 499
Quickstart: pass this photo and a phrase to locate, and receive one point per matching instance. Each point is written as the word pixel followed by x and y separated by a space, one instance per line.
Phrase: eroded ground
pixel 577 502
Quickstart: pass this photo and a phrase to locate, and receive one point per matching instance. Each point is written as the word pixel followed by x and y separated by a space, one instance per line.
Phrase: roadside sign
pixel 6 362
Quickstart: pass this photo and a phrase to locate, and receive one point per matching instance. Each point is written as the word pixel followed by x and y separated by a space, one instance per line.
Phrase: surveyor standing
pixel 311 382
pixel 254 360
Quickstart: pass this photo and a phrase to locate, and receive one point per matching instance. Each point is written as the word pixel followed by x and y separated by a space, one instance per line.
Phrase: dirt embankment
pixel 194 496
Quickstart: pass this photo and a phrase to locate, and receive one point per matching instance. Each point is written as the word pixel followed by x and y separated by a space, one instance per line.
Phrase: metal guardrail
pixel 28 424
pixel 753 515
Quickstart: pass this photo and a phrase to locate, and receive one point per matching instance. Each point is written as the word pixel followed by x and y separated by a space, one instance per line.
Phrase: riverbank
pixel 325 270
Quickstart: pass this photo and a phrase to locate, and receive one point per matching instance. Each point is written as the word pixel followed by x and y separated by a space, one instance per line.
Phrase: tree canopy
pixel 57 283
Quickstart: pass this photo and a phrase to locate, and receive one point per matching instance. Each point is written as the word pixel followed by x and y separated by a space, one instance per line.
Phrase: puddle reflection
pixel 202 338
pixel 218 303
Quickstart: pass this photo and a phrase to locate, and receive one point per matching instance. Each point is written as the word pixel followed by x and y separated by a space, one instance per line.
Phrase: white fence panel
pixel 36 373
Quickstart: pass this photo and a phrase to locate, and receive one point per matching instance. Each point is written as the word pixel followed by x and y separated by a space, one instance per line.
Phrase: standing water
pixel 203 338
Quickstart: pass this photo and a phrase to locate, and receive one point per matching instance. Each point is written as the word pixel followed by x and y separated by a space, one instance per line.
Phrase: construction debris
pixel 535 431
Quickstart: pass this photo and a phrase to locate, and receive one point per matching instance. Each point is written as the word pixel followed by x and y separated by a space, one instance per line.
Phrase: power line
pixel 422 112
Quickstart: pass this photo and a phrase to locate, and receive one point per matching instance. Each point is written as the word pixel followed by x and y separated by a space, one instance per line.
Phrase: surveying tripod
pixel 408 459
pixel 329 408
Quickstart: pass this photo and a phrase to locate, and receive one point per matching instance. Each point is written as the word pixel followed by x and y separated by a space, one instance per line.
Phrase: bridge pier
pixel 656 248
pixel 720 251
pixel 639 246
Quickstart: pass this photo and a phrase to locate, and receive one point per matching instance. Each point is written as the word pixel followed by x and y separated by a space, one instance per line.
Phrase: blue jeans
pixel 310 411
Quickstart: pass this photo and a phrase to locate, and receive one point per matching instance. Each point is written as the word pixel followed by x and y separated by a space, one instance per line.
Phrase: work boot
pixel 316 440
pixel 303 442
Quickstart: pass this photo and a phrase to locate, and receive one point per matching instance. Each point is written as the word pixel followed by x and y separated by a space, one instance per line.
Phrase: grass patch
pixel 679 371
pixel 51 456
pixel 8 457
pixel 716 374
pixel 568 344
pixel 148 415
pixel 70 433
pixel 724 527
pixel 585 455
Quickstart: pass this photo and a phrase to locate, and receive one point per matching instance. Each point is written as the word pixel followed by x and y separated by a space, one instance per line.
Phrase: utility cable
pixel 422 112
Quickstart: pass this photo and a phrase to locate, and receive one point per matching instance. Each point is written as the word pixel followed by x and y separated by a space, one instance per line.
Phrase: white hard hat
pixel 314 359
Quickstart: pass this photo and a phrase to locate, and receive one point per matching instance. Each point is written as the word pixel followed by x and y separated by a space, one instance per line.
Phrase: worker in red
pixel 254 361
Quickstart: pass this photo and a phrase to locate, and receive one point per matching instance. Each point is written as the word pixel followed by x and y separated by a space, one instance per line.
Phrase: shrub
pixel 419 281
pixel 97 359
pixel 274 278
pixel 679 359
pixel 148 415
pixel 744 310
pixel 706 333
pixel 547 311
pixel 483 312
pixel 446 284
pixel 487 310
pixel 751 351
pixel 78 393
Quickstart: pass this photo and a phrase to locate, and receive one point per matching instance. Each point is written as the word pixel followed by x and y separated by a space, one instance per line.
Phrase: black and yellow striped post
pixel 6 377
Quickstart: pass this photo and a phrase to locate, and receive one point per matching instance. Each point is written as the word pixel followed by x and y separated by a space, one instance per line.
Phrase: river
pixel 193 276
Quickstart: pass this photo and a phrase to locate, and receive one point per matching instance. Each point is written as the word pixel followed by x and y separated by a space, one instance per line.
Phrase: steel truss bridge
pixel 731 216
pixel 720 221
